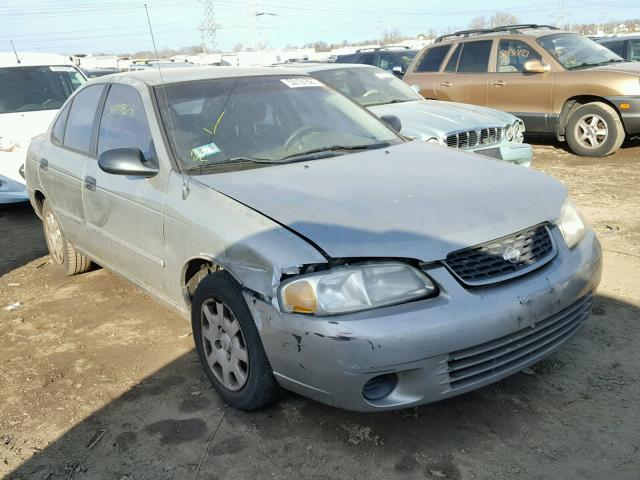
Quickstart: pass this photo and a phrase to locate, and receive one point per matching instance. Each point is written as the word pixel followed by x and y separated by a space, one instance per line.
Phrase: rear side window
pixel 367 59
pixel 616 46
pixel 77 134
pixel 57 134
pixel 475 57
pixel 635 50
pixel 124 123
pixel 433 58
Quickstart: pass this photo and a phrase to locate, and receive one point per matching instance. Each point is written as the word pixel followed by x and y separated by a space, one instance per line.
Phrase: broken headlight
pixel 354 288
pixel 571 224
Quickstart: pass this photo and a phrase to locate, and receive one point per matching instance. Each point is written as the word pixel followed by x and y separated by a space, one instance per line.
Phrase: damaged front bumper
pixel 435 348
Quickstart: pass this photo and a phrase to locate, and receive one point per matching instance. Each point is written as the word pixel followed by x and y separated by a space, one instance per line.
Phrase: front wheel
pixel 229 346
pixel 594 130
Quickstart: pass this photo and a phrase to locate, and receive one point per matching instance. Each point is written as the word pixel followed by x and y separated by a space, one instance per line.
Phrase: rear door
pixel 124 213
pixel 62 160
pixel 464 78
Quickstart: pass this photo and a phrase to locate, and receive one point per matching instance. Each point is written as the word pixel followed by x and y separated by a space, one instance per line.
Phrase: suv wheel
pixel 594 130
pixel 62 252
pixel 229 345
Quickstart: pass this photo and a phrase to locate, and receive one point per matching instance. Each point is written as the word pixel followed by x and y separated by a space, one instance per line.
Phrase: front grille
pixel 511 352
pixel 474 138
pixel 504 258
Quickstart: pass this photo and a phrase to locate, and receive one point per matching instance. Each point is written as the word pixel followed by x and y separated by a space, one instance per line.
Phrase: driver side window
pixel 513 54
pixel 124 123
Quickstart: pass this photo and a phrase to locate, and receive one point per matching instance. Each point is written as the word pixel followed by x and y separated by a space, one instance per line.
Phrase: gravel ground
pixel 101 382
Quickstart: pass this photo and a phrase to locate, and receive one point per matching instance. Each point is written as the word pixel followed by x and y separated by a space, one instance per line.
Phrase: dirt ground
pixel 98 381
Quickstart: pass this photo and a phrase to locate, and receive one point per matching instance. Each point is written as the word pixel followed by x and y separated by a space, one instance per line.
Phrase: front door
pixel 124 213
pixel 526 95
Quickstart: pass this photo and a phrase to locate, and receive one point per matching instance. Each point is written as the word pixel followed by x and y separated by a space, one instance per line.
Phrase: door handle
pixel 90 183
pixel 499 83
pixel 446 84
pixel 44 164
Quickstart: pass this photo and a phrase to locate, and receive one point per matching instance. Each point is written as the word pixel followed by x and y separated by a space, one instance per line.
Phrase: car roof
pixel 530 30
pixel 32 59
pixel 152 77
pixel 321 67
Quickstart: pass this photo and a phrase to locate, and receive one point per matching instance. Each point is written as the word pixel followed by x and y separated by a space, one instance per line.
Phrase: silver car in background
pixel 312 247
pixel 471 128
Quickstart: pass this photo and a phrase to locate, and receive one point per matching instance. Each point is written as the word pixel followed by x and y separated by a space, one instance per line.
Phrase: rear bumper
pixel 437 348
pixel 630 115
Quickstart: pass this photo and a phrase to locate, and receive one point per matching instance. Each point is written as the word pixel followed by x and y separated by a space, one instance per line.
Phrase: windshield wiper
pixel 199 169
pixel 597 64
pixel 334 148
pixel 395 100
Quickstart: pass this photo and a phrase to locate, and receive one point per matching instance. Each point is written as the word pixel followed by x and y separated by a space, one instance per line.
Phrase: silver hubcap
pixel 54 238
pixel 591 131
pixel 224 345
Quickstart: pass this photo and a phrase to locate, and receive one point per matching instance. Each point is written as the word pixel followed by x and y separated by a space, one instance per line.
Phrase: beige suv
pixel 556 81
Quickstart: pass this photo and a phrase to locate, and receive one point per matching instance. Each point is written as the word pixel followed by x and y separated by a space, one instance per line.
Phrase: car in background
pixel 627 47
pixel 557 82
pixel 481 130
pixel 33 87
pixel 394 60
pixel 99 72
pixel 313 248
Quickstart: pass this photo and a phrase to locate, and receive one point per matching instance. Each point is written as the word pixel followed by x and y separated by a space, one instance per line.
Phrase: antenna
pixel 15 53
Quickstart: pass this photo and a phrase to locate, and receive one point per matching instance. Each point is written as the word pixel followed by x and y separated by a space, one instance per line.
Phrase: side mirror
pixel 415 88
pixel 126 161
pixel 536 66
pixel 392 122
pixel 397 70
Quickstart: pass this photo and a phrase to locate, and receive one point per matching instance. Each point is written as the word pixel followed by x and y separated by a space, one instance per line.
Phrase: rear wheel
pixel 229 345
pixel 594 130
pixel 62 252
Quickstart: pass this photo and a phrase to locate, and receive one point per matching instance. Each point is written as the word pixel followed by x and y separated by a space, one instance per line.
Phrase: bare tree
pixel 500 19
pixel 238 47
pixel 478 23
pixel 392 36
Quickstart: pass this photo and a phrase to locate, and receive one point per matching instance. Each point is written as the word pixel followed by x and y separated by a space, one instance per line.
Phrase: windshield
pixel 267 120
pixel 576 51
pixel 28 89
pixel 368 86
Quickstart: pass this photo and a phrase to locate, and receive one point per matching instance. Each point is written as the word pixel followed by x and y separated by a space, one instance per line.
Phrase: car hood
pixel 626 67
pixel 412 200
pixel 424 119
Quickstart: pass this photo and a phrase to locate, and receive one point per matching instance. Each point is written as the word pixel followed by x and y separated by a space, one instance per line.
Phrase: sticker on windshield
pixel 200 154
pixel 62 69
pixel 298 82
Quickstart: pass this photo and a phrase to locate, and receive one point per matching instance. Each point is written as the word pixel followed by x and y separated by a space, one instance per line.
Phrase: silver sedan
pixel 313 248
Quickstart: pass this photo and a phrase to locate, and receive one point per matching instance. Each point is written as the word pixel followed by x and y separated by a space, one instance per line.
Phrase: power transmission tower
pixel 560 13
pixel 252 11
pixel 208 26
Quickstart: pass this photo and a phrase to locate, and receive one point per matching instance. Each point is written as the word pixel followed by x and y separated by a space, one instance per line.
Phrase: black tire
pixel 67 258
pixel 609 119
pixel 261 388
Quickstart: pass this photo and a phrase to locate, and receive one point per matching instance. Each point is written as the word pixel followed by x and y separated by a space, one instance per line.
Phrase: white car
pixel 33 87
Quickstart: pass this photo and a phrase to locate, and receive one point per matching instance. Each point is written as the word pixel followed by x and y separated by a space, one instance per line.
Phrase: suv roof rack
pixel 514 29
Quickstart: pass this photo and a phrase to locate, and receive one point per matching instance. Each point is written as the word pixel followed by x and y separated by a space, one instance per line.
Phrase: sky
pixel 118 26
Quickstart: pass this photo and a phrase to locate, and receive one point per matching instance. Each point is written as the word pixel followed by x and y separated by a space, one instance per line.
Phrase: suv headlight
pixel 354 288
pixel 518 131
pixel 571 224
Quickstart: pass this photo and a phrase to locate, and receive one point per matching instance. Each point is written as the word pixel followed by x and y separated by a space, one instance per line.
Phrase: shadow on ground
pixel 23 240
pixel 557 421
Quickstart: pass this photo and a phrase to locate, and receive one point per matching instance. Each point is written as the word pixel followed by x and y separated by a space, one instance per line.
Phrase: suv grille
pixel 512 352
pixel 474 138
pixel 503 258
